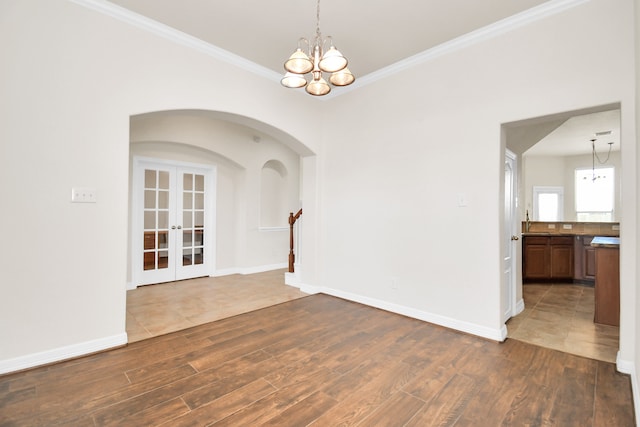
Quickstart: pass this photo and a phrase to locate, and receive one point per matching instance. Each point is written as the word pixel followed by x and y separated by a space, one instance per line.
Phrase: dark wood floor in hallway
pixel 320 361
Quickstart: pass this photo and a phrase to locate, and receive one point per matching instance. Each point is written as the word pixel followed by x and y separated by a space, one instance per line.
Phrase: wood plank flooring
pixel 320 361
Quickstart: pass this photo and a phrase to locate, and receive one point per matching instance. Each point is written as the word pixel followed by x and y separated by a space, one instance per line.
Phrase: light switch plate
pixel 83 195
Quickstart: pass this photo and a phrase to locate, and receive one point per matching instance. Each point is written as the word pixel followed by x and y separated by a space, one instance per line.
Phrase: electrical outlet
pixel 394 283
pixel 83 195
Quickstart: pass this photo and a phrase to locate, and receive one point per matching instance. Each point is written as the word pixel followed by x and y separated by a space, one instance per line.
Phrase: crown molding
pixel 500 27
pixel 493 30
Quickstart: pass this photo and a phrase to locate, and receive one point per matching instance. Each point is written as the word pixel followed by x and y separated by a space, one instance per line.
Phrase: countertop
pixel 605 242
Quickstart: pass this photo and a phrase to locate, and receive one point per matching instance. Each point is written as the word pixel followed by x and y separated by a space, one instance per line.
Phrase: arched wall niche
pixel 274 194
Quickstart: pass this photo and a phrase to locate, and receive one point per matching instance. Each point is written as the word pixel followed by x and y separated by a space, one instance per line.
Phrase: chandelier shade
pixel 298 63
pixel 332 60
pixel 316 62
pixel 342 78
pixel 318 86
pixel 293 80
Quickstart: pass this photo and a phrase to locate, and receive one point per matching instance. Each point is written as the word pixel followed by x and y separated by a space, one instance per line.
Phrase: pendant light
pixel 314 63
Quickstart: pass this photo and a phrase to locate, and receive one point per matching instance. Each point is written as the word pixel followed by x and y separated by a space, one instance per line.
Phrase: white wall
pixel 630 310
pixel 559 171
pixel 396 219
pixel 76 78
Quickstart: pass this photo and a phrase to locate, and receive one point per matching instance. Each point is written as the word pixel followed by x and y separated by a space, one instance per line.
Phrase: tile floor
pixel 159 309
pixel 560 316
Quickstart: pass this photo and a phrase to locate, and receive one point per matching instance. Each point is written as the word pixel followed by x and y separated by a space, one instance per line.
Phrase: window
pixel 548 203
pixel 594 194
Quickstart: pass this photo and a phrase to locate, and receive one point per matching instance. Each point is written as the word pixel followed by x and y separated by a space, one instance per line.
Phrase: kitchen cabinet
pixel 607 287
pixel 585 260
pixel 536 257
pixel 547 258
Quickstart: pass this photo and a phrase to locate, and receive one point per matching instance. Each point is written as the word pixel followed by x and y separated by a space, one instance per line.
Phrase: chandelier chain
pixel 318 21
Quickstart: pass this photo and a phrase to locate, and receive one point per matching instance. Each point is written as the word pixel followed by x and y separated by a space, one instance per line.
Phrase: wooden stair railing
pixel 292 220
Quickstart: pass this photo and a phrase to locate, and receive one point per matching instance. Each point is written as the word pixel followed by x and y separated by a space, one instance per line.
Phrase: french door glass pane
pixel 193 219
pixel 156 219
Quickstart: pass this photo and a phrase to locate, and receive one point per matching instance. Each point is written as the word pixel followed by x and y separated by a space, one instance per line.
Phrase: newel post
pixel 292 220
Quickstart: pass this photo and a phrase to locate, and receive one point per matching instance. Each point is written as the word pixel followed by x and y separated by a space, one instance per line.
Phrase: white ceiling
pixel 574 136
pixel 372 34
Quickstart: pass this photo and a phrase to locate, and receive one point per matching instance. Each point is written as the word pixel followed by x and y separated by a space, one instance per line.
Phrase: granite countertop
pixel 552 233
pixel 605 242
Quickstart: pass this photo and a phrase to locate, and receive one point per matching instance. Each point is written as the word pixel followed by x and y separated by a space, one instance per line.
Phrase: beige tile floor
pixel 560 316
pixel 159 309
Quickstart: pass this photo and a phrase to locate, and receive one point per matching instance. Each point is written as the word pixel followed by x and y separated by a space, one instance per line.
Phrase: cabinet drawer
pixel 562 240
pixel 536 240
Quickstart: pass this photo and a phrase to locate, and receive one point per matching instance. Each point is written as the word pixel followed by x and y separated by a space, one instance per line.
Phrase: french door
pixel 173 213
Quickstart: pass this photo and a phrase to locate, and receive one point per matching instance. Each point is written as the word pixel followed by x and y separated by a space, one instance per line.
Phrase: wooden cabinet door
pixel 589 268
pixel 561 257
pixel 562 261
pixel 536 258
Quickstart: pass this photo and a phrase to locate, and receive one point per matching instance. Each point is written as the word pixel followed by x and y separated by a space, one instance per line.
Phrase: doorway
pixel 172 217
pixel 557 145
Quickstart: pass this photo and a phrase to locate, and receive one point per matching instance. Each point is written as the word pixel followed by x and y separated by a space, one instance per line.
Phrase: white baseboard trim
pixel 249 270
pixel 62 353
pixel 458 325
pixel 292 279
pixel 519 307
pixel 628 367
pixel 624 366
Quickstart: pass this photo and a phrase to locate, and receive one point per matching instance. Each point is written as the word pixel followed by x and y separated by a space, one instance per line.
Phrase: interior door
pixel 174 222
pixel 510 237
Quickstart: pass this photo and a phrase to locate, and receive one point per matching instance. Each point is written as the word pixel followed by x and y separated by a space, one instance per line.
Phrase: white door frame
pixel 137 205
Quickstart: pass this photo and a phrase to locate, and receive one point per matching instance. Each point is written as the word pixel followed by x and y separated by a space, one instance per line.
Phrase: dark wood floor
pixel 320 361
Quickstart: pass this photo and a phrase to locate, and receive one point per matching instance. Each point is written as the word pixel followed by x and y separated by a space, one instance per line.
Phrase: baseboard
pixel 628 367
pixel 519 307
pixel 292 279
pixel 448 322
pixel 62 353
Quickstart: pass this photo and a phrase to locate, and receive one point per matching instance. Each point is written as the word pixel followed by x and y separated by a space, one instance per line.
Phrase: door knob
pixel 179 227
pixel 514 237
pixel 173 227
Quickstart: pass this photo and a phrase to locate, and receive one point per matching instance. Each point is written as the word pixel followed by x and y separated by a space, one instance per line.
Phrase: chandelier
pixel 594 155
pixel 314 62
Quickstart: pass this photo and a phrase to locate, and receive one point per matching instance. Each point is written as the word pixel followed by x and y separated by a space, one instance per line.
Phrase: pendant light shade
pixel 342 78
pixel 298 63
pixel 316 61
pixel 332 60
pixel 293 80
pixel 318 87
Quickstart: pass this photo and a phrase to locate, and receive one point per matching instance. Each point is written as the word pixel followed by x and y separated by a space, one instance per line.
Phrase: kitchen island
pixel 607 284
